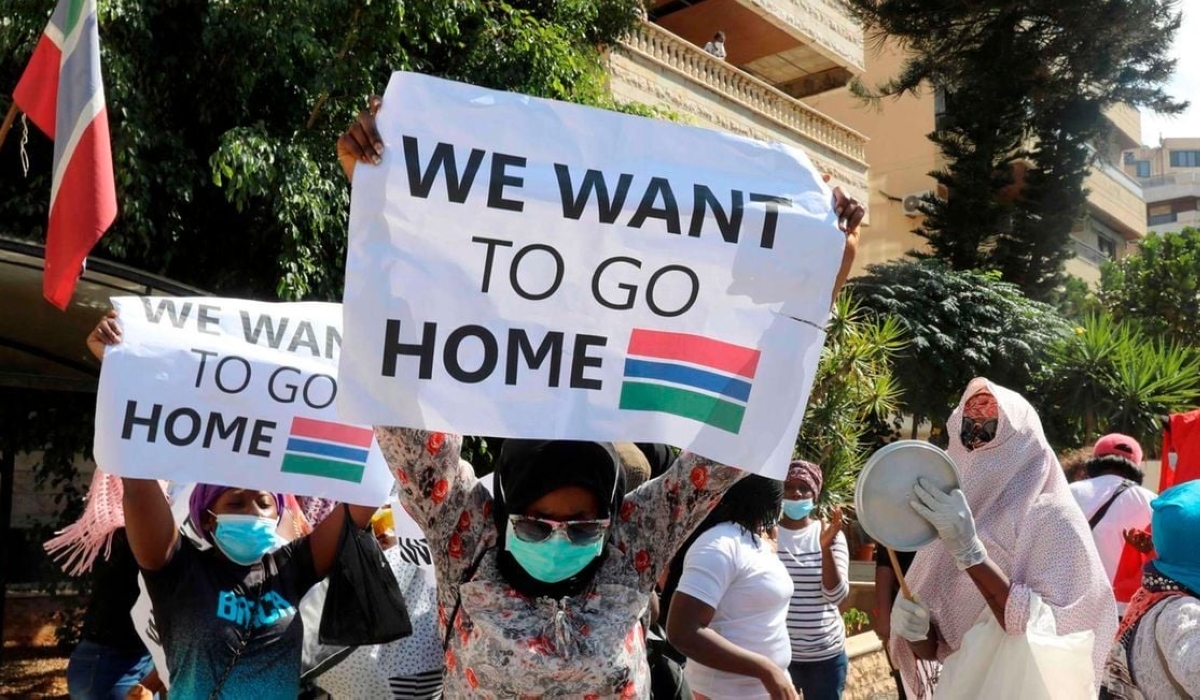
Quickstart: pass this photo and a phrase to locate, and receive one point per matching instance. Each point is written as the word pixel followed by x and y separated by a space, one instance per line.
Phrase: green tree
pixel 854 390
pixel 1110 376
pixel 1025 82
pixel 1159 287
pixel 224 116
pixel 959 325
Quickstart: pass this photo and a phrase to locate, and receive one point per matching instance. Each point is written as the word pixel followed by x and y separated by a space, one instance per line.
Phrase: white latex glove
pixel 910 620
pixel 951 517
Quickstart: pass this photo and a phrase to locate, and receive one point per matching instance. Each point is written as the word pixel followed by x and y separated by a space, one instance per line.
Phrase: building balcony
pixel 1175 221
pixel 654 66
pixel 1086 263
pixel 1117 200
pixel 1164 188
pixel 803 47
pixel 1127 122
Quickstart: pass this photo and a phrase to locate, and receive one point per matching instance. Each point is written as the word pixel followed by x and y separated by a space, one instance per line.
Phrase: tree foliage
pixel 224 116
pixel 1111 376
pixel 854 389
pixel 1026 83
pixel 959 325
pixel 1159 288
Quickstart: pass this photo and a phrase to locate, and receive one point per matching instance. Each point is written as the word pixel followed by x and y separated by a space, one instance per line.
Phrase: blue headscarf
pixel 1174 525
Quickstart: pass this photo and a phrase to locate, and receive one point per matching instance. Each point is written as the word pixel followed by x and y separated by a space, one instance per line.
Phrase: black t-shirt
pixel 204 605
pixel 114 591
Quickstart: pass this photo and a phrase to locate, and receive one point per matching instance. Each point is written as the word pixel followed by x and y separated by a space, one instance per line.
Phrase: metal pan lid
pixel 885 488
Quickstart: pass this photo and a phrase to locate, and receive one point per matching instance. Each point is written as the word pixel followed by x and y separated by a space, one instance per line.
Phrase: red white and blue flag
pixel 690 376
pixel 62 92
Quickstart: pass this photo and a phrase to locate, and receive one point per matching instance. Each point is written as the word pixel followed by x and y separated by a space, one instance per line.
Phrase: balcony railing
pixel 668 50
pixel 1122 179
pixel 1087 253
pixel 1171 179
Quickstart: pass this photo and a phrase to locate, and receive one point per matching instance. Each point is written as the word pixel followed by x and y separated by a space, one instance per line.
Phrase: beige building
pixel 1170 178
pixel 777 52
pixel 901 158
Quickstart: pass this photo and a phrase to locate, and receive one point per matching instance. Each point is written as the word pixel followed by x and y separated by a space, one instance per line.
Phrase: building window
pixel 1159 219
pixel 1107 246
pixel 1143 168
pixel 1185 159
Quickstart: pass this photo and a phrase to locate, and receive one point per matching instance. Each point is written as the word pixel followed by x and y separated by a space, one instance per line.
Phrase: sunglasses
pixel 529 529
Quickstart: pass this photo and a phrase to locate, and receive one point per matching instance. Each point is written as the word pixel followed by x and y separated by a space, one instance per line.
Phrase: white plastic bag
pixel 1039 665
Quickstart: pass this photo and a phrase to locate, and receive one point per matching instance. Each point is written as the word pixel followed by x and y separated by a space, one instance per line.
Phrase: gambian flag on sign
pixel 690 376
pixel 331 450
pixel 62 94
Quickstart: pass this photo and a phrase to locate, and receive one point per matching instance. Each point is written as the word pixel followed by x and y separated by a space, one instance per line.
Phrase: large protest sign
pixel 528 268
pixel 233 392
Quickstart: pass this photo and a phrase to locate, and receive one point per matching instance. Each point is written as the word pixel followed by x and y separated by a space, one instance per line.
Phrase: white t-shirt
pixel 749 588
pixel 1131 510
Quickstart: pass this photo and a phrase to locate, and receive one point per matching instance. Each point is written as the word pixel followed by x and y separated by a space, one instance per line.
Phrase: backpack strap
pixel 467 576
pixel 1099 514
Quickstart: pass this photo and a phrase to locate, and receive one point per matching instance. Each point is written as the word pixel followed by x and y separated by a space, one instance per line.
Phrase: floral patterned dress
pixel 506 645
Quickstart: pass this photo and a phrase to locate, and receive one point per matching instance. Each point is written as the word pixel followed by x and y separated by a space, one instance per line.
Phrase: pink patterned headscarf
pixel 1033 530
pixel 77 545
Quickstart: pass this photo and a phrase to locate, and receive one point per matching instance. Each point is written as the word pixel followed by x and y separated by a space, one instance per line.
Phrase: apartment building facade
pixel 778 51
pixel 1170 177
pixel 901 159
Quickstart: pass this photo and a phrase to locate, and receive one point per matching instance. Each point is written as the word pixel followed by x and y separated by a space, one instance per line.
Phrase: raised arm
pixel 441 493
pixel 148 523
pixel 660 515
pixel 835 561
pixel 326 539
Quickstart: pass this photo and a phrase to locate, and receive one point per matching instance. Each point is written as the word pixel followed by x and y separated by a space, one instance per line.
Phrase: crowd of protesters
pixel 549 582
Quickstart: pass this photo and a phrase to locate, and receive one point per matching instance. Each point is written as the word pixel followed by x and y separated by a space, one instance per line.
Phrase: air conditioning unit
pixel 912 203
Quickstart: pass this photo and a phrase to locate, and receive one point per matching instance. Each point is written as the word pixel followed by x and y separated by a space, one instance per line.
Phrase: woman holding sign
pixel 543 587
pixel 226 615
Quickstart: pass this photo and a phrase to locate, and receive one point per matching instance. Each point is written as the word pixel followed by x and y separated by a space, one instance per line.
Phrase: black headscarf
pixel 530 469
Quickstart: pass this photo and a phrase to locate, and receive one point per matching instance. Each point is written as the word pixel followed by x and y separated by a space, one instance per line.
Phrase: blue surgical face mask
pixel 553 559
pixel 244 539
pixel 797 510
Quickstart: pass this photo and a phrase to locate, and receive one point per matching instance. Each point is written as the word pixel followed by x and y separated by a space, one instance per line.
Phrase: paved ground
pixel 39 672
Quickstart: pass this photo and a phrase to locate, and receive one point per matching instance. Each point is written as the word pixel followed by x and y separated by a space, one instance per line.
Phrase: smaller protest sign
pixel 233 392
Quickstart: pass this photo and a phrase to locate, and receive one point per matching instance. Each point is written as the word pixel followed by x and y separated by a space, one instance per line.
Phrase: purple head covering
pixel 202 499
pixel 808 474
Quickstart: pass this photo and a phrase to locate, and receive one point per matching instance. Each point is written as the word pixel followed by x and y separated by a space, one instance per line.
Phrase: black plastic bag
pixel 364 604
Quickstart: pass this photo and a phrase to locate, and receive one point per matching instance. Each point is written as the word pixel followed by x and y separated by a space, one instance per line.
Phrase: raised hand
pixel 107 332
pixel 361 143
pixel 830 528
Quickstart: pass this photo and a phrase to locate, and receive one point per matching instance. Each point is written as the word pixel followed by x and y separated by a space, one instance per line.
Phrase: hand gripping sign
pixel 529 268
pixel 233 392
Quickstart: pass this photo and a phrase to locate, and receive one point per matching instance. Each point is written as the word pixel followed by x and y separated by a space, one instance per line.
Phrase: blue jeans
pixel 99 672
pixel 820 680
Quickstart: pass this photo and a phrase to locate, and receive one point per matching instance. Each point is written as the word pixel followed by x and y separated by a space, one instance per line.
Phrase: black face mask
pixel 975 434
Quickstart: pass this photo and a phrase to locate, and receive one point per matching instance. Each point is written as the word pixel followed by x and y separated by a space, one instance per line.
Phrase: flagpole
pixel 8 122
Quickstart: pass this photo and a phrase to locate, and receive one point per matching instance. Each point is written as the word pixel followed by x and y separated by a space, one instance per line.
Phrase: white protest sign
pixel 233 392
pixel 528 268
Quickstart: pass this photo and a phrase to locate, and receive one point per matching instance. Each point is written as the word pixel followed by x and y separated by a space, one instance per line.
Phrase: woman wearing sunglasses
pixel 1012 532
pixel 543 590
pixel 543 586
